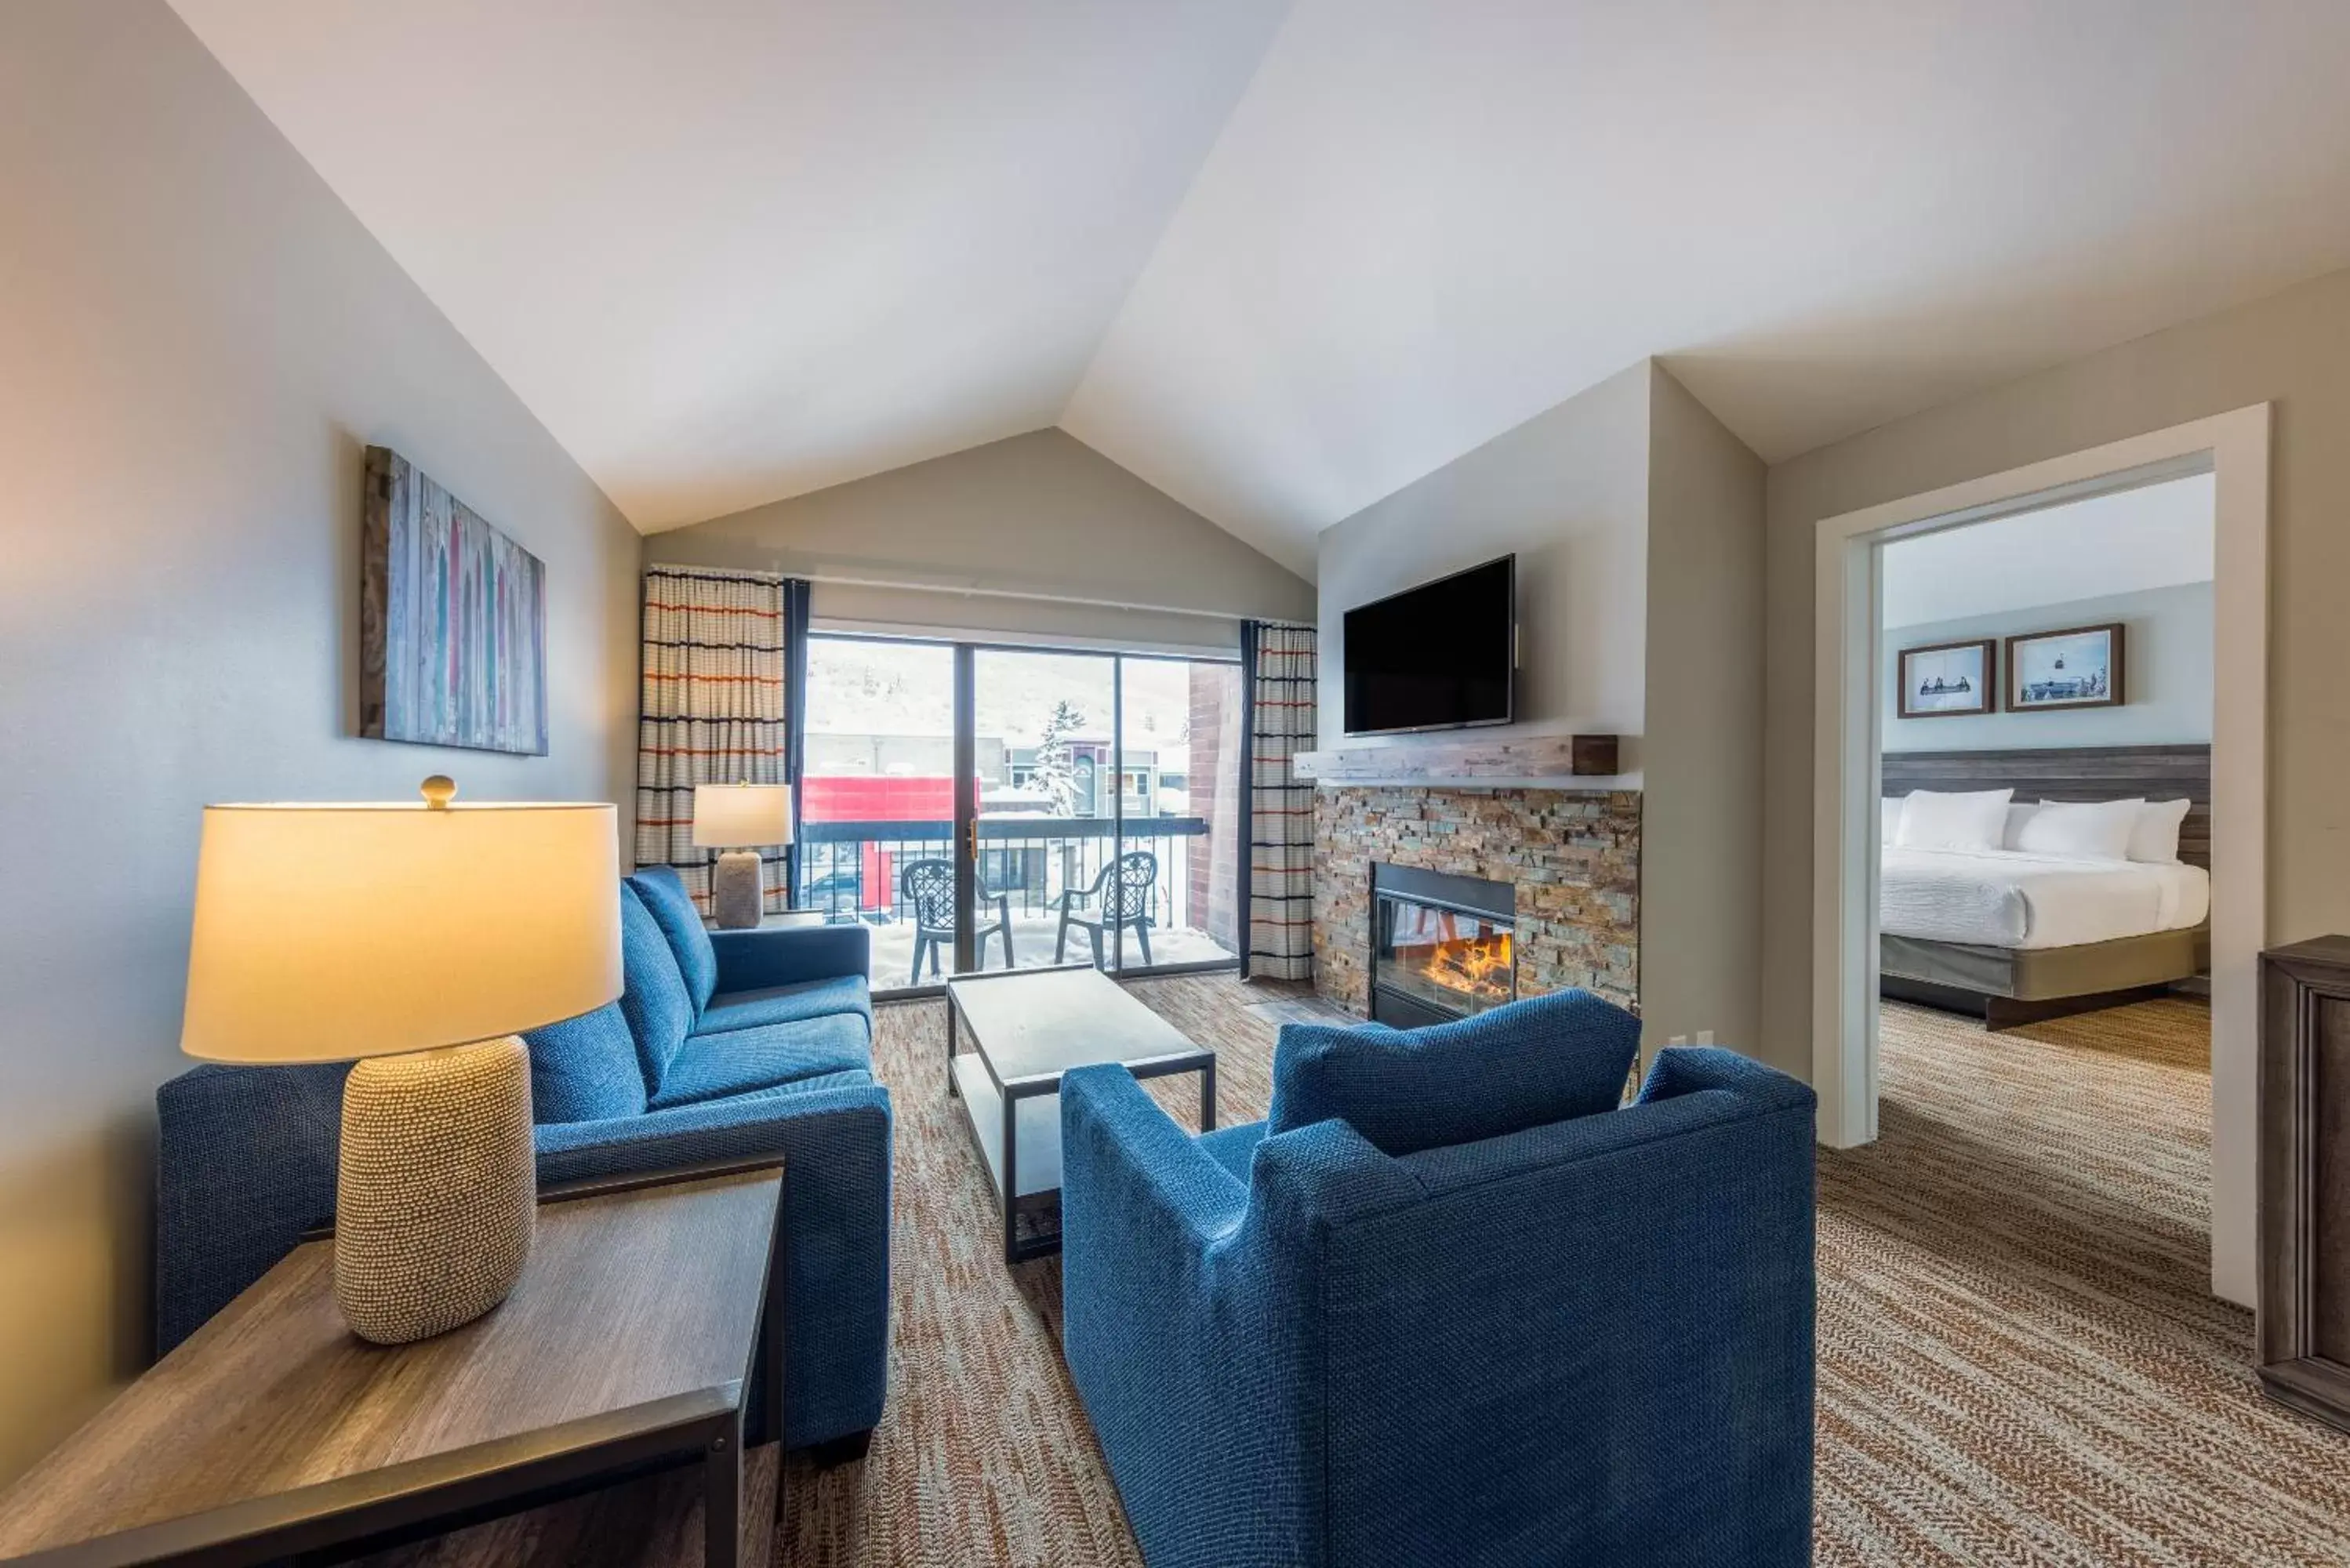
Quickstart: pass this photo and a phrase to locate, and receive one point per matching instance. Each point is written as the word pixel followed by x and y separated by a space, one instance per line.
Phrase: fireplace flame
pixel 1473 965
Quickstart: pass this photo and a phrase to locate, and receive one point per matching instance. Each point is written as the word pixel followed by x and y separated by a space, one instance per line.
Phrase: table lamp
pixel 414 939
pixel 738 817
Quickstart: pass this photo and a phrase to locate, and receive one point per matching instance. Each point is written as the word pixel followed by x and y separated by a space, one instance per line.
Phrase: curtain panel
pixel 713 710
pixel 1278 663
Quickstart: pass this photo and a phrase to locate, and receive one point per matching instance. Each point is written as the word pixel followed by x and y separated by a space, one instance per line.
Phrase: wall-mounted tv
pixel 1442 656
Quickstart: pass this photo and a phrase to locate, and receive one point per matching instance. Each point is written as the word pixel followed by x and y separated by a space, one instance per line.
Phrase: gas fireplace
pixel 1441 945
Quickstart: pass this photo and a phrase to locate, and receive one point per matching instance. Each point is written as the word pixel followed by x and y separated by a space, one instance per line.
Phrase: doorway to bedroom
pixel 1861 693
pixel 2044 763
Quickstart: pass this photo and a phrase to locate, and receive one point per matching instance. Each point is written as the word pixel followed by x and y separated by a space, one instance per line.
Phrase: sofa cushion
pixel 1541 1060
pixel 741 1061
pixel 654 1000
pixel 584 1069
pixel 788 1004
pixel 664 895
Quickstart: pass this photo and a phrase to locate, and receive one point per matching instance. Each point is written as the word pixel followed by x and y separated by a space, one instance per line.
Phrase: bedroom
pixel 2045 765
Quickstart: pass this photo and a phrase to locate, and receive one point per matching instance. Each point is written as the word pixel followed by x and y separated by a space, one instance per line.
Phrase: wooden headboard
pixel 2073 772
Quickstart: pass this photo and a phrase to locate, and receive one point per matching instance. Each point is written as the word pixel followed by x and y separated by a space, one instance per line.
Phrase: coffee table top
pixel 634 1303
pixel 1031 1026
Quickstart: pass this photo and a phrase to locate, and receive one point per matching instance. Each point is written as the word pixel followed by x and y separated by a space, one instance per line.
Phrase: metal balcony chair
pixel 1121 898
pixel 927 886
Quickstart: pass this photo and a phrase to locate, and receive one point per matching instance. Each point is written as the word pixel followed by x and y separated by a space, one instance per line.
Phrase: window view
pixel 1102 837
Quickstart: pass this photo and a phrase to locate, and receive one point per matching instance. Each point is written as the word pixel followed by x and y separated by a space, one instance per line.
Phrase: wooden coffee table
pixel 1027 1027
pixel 274 1433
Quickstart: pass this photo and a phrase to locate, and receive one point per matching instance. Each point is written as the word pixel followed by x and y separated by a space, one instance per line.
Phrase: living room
pixel 725 718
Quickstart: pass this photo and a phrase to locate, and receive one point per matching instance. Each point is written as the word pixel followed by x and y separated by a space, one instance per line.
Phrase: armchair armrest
pixel 752 960
pixel 1692 1069
pixel 1128 1168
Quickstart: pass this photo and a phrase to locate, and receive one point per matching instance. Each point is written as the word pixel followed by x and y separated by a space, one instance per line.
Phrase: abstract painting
pixel 2079 667
pixel 453 620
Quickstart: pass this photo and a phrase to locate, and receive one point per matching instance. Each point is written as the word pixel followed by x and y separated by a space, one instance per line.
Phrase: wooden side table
pixel 630 1345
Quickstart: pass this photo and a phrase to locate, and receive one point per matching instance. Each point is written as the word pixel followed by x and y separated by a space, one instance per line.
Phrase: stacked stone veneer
pixel 1573 855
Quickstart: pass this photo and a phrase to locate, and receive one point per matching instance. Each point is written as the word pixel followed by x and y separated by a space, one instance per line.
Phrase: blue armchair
pixel 1424 1315
pixel 748 1045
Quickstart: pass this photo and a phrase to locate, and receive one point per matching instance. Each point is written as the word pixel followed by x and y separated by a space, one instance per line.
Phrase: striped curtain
pixel 712 710
pixel 1279 666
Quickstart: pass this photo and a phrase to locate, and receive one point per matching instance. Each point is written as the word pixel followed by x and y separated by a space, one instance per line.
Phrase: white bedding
pixel 2003 899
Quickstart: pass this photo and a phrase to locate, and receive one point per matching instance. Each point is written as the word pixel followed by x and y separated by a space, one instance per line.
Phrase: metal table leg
pixel 721 1499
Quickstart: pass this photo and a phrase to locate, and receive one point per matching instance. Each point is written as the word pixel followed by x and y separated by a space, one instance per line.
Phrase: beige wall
pixel 2291 349
pixel 1568 491
pixel 1701 751
pixel 198 341
pixel 1037 534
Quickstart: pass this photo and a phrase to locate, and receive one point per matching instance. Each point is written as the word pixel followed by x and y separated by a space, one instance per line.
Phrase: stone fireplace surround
pixel 1573 857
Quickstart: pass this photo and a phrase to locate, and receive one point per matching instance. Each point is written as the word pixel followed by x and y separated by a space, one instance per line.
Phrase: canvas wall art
pixel 2079 667
pixel 452 619
pixel 1944 680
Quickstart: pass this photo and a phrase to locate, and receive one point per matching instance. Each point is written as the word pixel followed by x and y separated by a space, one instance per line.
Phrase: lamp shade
pixel 742 816
pixel 326 933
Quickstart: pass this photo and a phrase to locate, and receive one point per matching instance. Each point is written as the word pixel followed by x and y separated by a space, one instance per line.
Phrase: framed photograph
pixel 1946 679
pixel 2079 667
pixel 452 619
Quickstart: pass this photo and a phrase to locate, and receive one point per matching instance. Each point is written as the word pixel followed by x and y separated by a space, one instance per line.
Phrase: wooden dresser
pixel 2305 1178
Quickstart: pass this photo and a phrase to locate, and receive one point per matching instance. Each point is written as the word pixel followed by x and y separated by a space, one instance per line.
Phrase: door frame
pixel 1845 776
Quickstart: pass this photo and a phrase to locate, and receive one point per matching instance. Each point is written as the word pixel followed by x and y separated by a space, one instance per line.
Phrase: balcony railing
pixel 852 870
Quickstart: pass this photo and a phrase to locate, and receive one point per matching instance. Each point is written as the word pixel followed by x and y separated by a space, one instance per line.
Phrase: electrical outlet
pixel 1678 1040
pixel 1705 1037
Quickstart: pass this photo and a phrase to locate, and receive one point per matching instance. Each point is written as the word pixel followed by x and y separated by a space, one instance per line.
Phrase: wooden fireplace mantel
pixel 1500 761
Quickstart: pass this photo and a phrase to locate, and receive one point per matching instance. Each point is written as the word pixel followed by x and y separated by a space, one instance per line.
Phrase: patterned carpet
pixel 2018 1361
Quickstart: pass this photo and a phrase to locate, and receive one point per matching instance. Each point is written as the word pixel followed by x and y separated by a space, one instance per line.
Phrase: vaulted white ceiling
pixel 1281 260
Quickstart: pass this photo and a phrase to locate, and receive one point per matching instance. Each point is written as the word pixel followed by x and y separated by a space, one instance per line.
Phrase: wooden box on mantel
pixel 1590 762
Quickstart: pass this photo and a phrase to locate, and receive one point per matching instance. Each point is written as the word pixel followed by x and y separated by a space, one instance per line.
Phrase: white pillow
pixel 1888 819
pixel 1971 821
pixel 2080 830
pixel 2156 837
pixel 2017 815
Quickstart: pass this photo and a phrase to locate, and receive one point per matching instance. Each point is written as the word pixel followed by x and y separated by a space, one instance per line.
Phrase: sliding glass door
pixel 1044 750
pixel 1178 857
pixel 1071 807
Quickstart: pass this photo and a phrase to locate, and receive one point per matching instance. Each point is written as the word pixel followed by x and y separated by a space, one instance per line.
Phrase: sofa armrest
pixel 788 955
pixel 744 1127
pixel 245 1165
pixel 834 1246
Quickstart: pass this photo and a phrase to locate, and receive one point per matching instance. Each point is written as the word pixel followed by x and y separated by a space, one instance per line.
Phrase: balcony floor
pixel 1032 948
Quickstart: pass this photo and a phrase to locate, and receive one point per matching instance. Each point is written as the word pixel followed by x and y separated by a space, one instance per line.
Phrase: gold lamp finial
pixel 438 792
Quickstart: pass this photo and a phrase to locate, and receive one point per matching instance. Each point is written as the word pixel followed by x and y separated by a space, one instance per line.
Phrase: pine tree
pixel 1055 775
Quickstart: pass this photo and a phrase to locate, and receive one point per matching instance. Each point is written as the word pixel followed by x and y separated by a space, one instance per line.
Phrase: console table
pixel 630 1345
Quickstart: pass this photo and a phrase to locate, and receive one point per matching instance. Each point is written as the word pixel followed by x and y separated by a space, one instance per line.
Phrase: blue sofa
pixel 731 1045
pixel 1449 1304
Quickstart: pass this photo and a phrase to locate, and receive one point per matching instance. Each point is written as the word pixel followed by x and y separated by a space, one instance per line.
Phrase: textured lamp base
pixel 437 1191
pixel 734 890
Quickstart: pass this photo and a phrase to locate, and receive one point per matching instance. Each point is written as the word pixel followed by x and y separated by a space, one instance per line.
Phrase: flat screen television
pixel 1442 656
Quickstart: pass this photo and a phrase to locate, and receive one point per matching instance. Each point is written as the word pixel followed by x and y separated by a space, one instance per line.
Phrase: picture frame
pixel 2070 668
pixel 1949 679
pixel 452 619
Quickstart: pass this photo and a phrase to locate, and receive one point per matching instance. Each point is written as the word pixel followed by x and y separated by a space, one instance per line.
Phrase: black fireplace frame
pixel 1438 891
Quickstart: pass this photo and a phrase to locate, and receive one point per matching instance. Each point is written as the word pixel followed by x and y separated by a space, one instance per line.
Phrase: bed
pixel 2015 936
